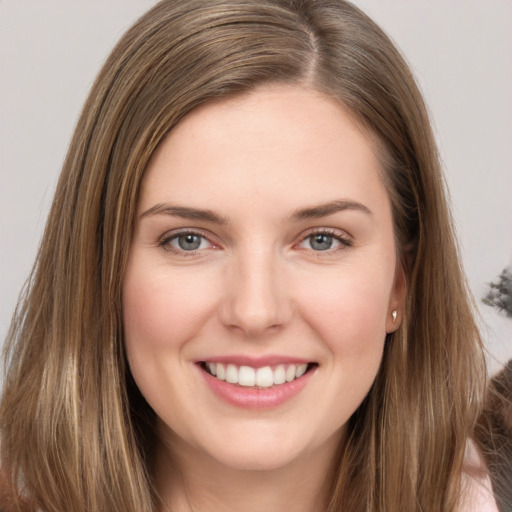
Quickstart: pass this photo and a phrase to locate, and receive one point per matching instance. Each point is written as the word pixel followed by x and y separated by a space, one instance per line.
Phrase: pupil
pixel 321 242
pixel 189 242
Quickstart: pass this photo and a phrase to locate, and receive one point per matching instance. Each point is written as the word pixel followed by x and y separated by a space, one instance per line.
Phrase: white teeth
pixel 301 370
pixel 213 368
pixel 246 376
pixel 264 377
pixel 221 372
pixel 232 374
pixel 280 375
pixel 290 373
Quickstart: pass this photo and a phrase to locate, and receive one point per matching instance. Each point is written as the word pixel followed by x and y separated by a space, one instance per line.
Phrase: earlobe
pixel 397 299
pixel 392 322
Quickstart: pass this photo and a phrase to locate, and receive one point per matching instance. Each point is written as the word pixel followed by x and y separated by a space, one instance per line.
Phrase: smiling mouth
pixel 264 377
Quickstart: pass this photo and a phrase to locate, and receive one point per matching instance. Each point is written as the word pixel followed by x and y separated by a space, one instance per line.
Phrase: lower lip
pixel 256 398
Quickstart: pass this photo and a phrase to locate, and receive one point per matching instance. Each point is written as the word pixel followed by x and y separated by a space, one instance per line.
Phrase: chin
pixel 265 450
pixel 256 459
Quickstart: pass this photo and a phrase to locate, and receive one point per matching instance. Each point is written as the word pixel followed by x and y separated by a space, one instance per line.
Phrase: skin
pixel 257 285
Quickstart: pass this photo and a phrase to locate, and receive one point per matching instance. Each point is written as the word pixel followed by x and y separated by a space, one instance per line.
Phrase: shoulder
pixel 477 493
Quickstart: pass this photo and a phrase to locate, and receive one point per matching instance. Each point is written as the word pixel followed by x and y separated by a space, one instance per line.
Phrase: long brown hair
pixel 75 432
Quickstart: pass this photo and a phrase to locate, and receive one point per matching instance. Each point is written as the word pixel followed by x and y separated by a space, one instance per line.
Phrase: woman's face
pixel 263 249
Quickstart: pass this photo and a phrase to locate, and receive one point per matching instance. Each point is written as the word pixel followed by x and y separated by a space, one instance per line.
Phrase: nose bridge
pixel 255 297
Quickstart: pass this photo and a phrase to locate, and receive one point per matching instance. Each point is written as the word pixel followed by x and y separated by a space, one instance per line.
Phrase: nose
pixel 255 297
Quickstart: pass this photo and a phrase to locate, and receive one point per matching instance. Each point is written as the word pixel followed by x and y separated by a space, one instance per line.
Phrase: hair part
pixel 76 433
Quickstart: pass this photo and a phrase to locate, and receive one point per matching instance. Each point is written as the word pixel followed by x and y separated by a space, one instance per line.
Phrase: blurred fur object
pixel 494 435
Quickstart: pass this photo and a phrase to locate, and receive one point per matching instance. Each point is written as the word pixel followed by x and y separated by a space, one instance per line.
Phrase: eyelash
pixel 344 240
pixel 165 242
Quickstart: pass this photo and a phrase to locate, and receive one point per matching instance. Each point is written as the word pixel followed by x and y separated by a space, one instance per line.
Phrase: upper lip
pixel 255 362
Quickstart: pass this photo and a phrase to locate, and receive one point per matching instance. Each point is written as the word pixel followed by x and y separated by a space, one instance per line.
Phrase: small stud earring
pixel 394 315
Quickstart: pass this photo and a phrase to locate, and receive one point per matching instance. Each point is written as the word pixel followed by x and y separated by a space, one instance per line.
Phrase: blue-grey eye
pixel 321 241
pixel 189 242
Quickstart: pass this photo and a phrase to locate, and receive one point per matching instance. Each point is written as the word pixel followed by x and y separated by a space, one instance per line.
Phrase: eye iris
pixel 321 242
pixel 189 242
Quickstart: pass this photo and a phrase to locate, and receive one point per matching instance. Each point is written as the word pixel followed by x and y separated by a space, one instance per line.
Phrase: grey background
pixel 460 50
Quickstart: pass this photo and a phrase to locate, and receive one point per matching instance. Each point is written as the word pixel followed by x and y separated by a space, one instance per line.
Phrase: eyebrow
pixel 184 212
pixel 325 209
pixel 310 212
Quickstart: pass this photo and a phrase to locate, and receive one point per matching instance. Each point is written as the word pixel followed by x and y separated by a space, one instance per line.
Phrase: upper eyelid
pixel 185 231
pixel 335 232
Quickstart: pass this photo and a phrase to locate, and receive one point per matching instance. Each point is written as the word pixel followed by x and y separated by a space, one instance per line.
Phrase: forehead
pixel 285 142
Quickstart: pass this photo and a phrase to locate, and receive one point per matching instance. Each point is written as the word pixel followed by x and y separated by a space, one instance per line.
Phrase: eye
pixel 325 241
pixel 321 241
pixel 185 242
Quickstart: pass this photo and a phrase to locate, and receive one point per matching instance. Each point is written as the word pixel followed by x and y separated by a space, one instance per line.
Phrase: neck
pixel 187 482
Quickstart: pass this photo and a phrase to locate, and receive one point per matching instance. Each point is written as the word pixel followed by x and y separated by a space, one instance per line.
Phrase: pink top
pixel 477 493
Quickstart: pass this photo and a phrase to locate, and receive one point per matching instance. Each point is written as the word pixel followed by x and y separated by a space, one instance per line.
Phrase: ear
pixel 396 300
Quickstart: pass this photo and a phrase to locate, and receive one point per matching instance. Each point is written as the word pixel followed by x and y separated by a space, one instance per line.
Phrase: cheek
pixel 160 306
pixel 161 309
pixel 349 313
pixel 349 317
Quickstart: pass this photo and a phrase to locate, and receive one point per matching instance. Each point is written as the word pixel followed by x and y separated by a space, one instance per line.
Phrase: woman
pixel 240 301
